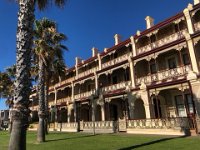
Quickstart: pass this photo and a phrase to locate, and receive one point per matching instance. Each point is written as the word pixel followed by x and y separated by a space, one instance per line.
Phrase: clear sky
pixel 87 23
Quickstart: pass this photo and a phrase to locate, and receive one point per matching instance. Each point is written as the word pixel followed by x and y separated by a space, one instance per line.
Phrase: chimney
pixel 117 39
pixel 105 50
pixel 149 22
pixel 78 60
pixel 196 2
pixel 94 51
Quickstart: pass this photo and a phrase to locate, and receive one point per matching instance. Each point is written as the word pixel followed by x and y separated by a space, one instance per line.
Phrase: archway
pixel 139 110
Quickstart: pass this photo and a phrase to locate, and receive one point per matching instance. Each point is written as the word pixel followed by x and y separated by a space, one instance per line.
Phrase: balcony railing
pixel 166 123
pixel 61 100
pixel 117 86
pixel 161 42
pixel 197 26
pixel 106 126
pixel 115 61
pixel 85 94
pixel 62 83
pixel 87 72
pixel 166 74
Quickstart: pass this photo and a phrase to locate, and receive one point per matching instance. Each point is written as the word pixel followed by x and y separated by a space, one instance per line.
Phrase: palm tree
pixel 20 110
pixel 47 49
pixel 6 87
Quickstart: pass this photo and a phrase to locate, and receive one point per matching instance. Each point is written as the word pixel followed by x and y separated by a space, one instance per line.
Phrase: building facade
pixel 149 83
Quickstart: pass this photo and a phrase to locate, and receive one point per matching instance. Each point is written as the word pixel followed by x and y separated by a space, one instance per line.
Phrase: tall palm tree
pixel 20 110
pixel 47 49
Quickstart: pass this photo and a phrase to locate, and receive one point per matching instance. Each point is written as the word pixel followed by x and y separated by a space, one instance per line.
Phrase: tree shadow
pixel 67 138
pixel 151 142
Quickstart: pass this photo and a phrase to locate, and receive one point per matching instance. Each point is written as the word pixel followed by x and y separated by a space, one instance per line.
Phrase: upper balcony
pixel 167 74
pixel 167 66
pixel 64 100
pixel 165 40
pixel 84 94
pixel 115 61
pixel 87 72
pixel 196 20
pixel 117 86
pixel 162 36
pixel 88 68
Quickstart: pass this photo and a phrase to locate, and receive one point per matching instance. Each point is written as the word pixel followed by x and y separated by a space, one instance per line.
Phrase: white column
pixel 102 113
pixel 186 12
pixel 145 98
pixel 55 98
pixel 132 72
pixel 96 81
pixel 72 85
pixel 99 58
pixel 133 46
pixel 192 53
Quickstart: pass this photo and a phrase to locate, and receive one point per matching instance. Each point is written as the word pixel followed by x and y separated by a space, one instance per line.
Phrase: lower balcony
pixel 167 126
pixel 164 75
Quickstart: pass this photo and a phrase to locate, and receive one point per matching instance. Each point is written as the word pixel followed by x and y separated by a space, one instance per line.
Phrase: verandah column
pixel 145 97
pixel 186 12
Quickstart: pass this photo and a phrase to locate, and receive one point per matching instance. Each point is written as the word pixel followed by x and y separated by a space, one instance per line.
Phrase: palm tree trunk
pixel 46 104
pixel 20 112
pixel 41 113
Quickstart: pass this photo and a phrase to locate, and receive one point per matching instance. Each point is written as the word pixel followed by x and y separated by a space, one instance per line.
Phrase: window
pixel 153 68
pixel 114 79
pixel 180 106
pixel 186 60
pixel 189 103
pixel 89 87
pixel 171 62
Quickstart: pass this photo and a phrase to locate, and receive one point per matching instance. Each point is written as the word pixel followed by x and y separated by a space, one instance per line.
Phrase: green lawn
pixel 80 141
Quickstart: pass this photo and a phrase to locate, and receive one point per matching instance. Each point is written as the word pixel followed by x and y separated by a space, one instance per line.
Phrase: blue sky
pixel 87 23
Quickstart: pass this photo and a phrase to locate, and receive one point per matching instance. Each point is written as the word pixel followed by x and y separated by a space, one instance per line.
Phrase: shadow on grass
pixel 67 138
pixel 150 143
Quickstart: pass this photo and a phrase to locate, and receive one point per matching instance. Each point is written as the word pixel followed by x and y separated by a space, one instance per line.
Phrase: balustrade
pixel 87 72
pixel 99 125
pixel 166 74
pixel 166 123
pixel 84 94
pixel 161 42
pixel 115 61
pixel 64 99
pixel 117 86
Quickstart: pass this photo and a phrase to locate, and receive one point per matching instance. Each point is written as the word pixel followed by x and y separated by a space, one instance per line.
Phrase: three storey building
pixel 149 83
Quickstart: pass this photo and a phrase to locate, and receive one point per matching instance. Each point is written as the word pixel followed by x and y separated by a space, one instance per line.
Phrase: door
pixel 157 108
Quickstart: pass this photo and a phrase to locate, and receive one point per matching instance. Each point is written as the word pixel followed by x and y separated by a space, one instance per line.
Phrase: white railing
pixel 62 83
pixel 69 125
pixel 115 61
pixel 117 86
pixel 163 41
pixel 99 125
pixel 166 123
pixel 166 74
pixel 85 94
pixel 87 72
pixel 144 49
pixel 64 99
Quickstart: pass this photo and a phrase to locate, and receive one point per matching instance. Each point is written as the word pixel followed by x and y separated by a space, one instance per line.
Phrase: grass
pixel 82 141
